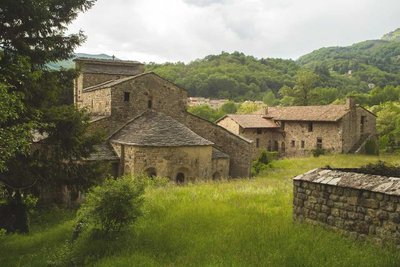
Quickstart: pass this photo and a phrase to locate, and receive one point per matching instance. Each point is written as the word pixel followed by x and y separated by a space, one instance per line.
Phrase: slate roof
pixel 157 129
pixel 112 83
pixel 329 113
pixel 107 61
pixel 104 152
pixel 374 183
pixel 217 154
pixel 252 121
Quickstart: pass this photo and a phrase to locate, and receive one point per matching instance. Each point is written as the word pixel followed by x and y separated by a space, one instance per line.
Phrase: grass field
pixel 246 222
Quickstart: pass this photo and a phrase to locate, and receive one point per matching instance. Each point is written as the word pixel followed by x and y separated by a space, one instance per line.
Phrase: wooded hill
pixel 341 71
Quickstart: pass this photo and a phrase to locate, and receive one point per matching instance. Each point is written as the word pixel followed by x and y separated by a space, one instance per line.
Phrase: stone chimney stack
pixel 266 110
pixel 351 102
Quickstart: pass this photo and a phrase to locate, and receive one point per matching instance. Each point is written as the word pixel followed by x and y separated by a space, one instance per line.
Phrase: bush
pixel 113 205
pixel 371 148
pixel 318 152
pixel 261 163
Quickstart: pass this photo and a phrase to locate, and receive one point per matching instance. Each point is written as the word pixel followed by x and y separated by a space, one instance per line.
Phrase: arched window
pixel 151 172
pixel 216 176
pixel 180 178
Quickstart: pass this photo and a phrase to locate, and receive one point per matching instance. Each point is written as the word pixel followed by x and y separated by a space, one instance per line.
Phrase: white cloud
pixel 183 30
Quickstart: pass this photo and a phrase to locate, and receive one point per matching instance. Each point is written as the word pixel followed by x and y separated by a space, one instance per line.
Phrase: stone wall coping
pixel 361 181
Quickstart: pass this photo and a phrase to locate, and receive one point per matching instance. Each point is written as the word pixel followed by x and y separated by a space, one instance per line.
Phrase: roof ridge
pixel 111 83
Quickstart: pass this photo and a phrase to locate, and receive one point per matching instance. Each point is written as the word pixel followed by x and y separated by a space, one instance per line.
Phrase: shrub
pixel 261 163
pixel 318 152
pixel 371 148
pixel 113 205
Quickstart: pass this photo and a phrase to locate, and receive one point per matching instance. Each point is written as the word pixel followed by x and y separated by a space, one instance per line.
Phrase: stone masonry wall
pixel 359 204
pixel 239 149
pixel 298 131
pixel 193 161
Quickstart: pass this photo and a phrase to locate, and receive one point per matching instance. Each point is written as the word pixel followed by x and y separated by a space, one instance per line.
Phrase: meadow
pixel 243 222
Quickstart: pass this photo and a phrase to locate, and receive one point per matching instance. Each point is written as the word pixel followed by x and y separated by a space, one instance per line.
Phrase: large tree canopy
pixel 36 101
pixel 32 33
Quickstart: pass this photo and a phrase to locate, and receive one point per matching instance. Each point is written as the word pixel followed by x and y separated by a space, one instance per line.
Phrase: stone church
pixel 298 130
pixel 148 129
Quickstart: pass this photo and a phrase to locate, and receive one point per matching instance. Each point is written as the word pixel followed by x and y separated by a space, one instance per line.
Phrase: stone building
pixel 298 130
pixel 148 128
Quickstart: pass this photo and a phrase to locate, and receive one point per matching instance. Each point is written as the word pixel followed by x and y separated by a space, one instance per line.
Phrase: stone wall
pixel 239 149
pixel 358 204
pixel 220 168
pixel 194 161
pixel 163 96
pixel 329 132
pixel 266 139
pixel 97 102
pixel 351 127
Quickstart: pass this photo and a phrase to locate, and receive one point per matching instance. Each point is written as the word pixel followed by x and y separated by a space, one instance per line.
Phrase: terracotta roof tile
pixel 252 121
pixel 308 113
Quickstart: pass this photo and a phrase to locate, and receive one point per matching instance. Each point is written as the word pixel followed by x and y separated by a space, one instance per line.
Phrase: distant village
pixel 213 103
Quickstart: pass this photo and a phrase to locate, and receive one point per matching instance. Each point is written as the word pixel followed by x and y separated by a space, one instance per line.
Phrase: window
pixel 302 143
pixel 149 103
pixel 126 96
pixel 319 142
pixel 293 143
pixel 362 126
pixel 310 127
pixel 257 142
pixel 259 131
pixel 276 146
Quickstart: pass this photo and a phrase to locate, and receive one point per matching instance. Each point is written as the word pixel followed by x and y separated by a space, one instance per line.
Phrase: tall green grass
pixel 243 222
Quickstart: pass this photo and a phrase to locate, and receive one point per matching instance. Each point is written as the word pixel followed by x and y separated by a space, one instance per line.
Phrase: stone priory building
pixel 300 130
pixel 148 129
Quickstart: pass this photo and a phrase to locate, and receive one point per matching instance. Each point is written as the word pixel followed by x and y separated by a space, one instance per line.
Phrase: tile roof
pixel 157 129
pixel 103 152
pixel 252 121
pixel 112 83
pixel 217 154
pixel 107 61
pixel 308 113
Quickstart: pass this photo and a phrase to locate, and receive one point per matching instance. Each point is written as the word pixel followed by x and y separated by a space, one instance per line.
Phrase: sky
pixel 185 30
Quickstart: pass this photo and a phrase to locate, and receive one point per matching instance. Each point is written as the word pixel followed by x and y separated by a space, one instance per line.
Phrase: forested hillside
pixel 338 71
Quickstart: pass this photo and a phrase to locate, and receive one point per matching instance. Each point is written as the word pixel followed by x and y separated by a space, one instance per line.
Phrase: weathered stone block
pixel 369 203
pixel 322 217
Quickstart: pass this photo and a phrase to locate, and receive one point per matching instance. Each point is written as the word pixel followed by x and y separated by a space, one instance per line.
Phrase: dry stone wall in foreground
pixel 356 203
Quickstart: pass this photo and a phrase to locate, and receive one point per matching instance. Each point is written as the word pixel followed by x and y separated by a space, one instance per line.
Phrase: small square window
pixel 310 127
pixel 126 96
pixel 319 142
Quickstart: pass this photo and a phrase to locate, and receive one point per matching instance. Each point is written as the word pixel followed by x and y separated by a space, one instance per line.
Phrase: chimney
pixel 350 102
pixel 266 110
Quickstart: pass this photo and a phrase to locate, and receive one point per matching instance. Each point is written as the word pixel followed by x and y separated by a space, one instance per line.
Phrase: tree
pixel 228 108
pixel 249 107
pixel 32 33
pixel 269 98
pixel 305 82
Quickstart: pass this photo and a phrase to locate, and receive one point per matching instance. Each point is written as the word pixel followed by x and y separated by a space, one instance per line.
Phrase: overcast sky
pixel 184 30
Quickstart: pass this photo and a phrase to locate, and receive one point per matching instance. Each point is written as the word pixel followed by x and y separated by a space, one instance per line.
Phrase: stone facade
pixel 126 99
pixel 358 204
pixel 300 130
